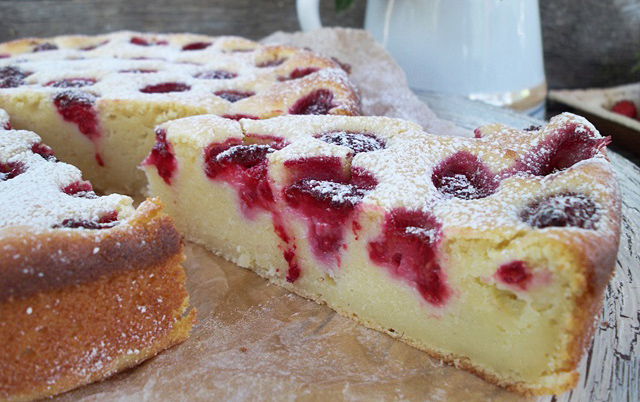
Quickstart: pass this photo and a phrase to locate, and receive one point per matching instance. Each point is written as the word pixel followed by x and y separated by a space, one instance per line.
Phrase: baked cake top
pixel 55 231
pixel 533 187
pixel 39 191
pixel 228 76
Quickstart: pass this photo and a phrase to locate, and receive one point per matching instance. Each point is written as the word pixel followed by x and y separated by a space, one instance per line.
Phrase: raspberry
pixel 625 108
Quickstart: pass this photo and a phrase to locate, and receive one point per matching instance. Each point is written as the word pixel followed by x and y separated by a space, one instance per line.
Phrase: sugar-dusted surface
pixel 96 99
pixel 123 64
pixel 36 197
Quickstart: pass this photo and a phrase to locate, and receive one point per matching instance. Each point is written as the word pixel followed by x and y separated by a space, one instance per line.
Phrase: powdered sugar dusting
pixel 34 197
pixel 124 63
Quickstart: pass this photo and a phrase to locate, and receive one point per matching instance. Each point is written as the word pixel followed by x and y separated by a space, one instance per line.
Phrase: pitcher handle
pixel 309 14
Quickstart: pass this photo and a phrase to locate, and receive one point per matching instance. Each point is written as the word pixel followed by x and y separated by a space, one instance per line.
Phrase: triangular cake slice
pixel 97 99
pixel 491 253
pixel 89 285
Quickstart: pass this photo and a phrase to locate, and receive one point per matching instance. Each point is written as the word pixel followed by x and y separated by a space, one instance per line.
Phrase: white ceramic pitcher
pixel 489 50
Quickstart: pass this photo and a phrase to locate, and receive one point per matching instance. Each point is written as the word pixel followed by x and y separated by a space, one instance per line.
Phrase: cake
pixel 96 99
pixel 89 285
pixel 491 253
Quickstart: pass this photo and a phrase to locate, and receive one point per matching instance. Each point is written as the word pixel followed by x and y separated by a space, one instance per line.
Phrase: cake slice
pixel 97 99
pixel 491 253
pixel 89 285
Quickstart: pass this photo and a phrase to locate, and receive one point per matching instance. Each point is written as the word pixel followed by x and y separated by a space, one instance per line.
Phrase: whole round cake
pixel 97 99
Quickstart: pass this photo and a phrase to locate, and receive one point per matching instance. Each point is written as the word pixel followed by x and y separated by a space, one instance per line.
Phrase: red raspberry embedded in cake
pixel 408 249
pixel 7 125
pixel 358 142
pixel 77 107
pixel 4 56
pixel 108 220
pixel 196 46
pixel 137 40
pixel 327 207
pixel 233 96
pixel 162 157
pixel 10 170
pixel 44 47
pixel 464 176
pixel 245 168
pixel 165 87
pixel 216 75
pixel 239 116
pixel 515 273
pixel 317 102
pixel 71 83
pixel 43 150
pixel 562 210
pixel 567 146
pixel 625 108
pixel 319 168
pixel 82 189
pixel 12 77
pixel 299 73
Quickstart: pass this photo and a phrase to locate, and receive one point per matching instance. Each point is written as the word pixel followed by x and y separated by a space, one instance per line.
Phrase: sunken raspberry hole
pixel 464 176
pixel 357 142
pixel 222 156
pixel 107 220
pixel 233 96
pixel 77 107
pixel 216 75
pixel 317 102
pixel 136 40
pixel 42 47
pixel 515 273
pixel 12 77
pixel 138 71
pixel 576 144
pixel 71 83
pixel 299 73
pixel 162 157
pixel 239 116
pixel 9 170
pixel 165 87
pixel 82 189
pixel 562 210
pixel 92 47
pixel 271 63
pixel 244 167
pixel 566 147
pixel 196 46
pixel 407 248
pixel 43 150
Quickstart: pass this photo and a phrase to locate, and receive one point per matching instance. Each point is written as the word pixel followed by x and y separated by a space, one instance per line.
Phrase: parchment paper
pixel 257 342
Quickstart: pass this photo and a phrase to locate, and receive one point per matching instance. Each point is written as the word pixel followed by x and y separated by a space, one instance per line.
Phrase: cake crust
pixel 30 261
pixel 89 285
